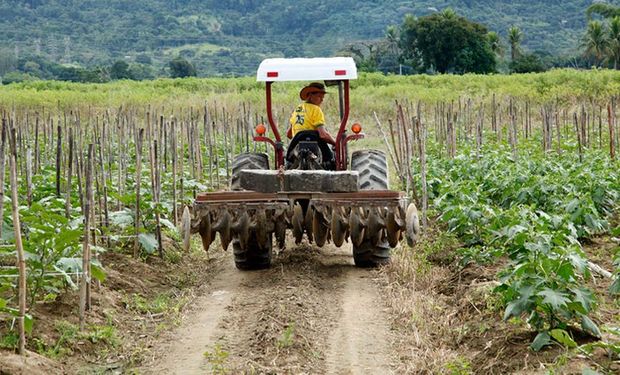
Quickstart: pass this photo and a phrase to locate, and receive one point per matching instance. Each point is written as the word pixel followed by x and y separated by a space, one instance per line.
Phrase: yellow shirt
pixel 306 116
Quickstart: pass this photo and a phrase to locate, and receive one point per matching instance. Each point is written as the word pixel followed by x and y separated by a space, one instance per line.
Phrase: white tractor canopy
pixel 307 69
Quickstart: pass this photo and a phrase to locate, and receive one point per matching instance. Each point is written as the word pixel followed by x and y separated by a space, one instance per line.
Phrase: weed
pixel 69 335
pixel 160 304
pixel 106 334
pixel 458 366
pixel 287 338
pixel 9 340
pixel 217 359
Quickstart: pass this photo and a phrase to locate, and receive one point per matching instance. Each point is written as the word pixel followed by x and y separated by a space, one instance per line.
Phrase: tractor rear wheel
pixel 372 168
pixel 247 160
pixel 368 256
pixel 253 256
pixel 373 175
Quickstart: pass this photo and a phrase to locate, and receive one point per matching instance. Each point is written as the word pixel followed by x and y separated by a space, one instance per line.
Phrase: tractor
pixel 351 203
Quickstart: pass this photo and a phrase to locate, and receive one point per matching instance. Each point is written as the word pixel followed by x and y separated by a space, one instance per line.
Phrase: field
pixel 517 270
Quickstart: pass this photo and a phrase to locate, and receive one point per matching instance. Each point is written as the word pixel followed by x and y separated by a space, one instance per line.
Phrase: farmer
pixel 307 123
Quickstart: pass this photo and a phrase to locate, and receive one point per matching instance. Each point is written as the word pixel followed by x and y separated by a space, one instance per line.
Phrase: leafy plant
pixel 533 211
pixel 217 358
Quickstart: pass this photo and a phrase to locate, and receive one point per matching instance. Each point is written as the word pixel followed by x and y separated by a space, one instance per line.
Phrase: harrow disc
pixel 206 232
pixel 375 225
pixel 320 228
pixel 392 229
pixel 298 223
pixel 412 224
pixel 222 226
pixel 357 223
pixel 339 226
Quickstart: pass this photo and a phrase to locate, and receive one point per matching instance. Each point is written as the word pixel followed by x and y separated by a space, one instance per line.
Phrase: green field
pixel 522 172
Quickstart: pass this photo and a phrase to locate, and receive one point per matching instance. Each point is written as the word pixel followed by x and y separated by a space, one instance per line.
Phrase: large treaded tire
pixel 373 175
pixel 248 160
pixel 372 168
pixel 253 257
pixel 367 256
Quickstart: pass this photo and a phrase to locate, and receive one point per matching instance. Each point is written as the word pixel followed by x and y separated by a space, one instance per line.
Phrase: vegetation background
pixel 230 37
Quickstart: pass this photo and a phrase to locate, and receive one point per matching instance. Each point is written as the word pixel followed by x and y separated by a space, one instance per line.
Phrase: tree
pixel 605 10
pixel 179 68
pixel 614 41
pixel 120 70
pixel 495 43
pixel 527 63
pixel 448 42
pixel 595 42
pixel 515 36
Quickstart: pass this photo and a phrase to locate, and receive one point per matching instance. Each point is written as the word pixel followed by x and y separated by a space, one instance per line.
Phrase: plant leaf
pixel 97 271
pixel 542 339
pixel 589 371
pixel 553 298
pixel 615 287
pixel 148 242
pixel 589 326
pixel 563 338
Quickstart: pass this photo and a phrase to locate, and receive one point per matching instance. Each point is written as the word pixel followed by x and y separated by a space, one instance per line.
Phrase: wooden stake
pixel 69 175
pixel 136 243
pixel 2 169
pixel 21 260
pixel 85 281
pixel 58 159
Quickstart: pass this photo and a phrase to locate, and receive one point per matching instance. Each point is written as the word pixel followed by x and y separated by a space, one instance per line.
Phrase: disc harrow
pixel 321 218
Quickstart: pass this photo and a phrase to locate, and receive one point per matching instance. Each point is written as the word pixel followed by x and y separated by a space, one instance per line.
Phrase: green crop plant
pixel 533 211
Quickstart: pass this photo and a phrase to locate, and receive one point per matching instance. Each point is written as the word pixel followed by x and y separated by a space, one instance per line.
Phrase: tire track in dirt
pixel 359 344
pixel 311 312
pixel 184 350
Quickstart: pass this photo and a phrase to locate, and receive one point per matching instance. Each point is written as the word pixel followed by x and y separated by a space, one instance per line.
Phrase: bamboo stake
pixel 69 175
pixel 136 243
pixel 387 143
pixel 422 144
pixel 610 122
pixel 173 150
pixel 58 159
pixel 156 194
pixel 579 135
pixel 2 170
pixel 37 155
pixel 21 262
pixel 85 281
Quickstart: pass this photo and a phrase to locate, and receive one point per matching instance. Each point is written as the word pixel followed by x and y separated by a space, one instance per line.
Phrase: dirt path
pixel 312 312
pixel 359 345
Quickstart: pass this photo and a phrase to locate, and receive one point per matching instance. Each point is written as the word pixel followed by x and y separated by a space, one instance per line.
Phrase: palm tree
pixel 393 38
pixel 595 42
pixel 605 10
pixel 614 40
pixel 496 43
pixel 515 36
pixel 449 14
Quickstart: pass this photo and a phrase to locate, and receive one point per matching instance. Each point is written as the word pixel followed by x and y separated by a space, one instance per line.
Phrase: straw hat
pixel 312 88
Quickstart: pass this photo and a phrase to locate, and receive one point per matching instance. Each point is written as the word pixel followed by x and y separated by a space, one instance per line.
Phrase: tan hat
pixel 312 88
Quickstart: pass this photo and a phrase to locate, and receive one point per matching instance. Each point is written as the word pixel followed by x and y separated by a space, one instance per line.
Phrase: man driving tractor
pixel 307 123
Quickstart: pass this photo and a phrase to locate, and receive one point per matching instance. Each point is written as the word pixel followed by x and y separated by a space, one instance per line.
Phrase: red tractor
pixel 349 204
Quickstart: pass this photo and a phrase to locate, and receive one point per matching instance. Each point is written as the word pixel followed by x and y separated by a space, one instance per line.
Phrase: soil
pixel 313 311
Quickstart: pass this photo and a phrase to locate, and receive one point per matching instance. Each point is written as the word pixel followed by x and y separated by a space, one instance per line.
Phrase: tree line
pixel 440 42
pixel 30 68
pixel 445 42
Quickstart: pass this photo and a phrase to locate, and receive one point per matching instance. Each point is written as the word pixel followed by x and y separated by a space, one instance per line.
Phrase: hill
pixel 232 36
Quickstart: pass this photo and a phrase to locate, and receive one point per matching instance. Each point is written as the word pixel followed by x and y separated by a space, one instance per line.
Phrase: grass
pixel 371 92
pixel 69 336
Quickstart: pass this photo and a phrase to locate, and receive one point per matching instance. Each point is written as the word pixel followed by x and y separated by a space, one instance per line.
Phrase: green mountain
pixel 232 36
